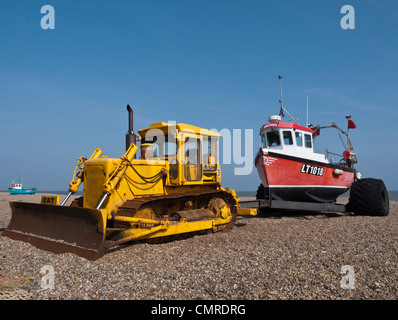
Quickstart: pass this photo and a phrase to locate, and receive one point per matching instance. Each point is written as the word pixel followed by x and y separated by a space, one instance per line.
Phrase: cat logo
pixel 50 200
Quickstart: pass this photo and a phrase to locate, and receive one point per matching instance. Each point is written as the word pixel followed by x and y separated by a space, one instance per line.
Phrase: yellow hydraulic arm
pixel 74 184
pixel 114 179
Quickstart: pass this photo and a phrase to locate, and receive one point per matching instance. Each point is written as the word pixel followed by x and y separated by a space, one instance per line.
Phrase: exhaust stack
pixel 130 135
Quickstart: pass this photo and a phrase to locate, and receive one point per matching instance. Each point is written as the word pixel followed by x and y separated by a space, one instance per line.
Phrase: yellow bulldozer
pixel 173 187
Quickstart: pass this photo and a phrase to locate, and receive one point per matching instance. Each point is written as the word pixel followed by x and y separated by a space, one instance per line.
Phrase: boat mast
pixel 281 102
pixel 281 99
pixel 350 147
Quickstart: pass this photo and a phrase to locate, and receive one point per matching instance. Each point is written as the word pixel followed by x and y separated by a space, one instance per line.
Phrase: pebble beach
pixel 274 256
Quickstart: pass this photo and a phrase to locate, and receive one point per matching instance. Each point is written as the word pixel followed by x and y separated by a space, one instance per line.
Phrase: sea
pixel 393 195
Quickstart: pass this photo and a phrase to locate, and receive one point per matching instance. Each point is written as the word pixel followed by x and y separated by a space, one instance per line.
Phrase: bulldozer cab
pixel 191 152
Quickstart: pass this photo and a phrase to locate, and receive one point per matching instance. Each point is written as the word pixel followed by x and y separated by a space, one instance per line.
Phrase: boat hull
pixel 297 179
pixel 22 191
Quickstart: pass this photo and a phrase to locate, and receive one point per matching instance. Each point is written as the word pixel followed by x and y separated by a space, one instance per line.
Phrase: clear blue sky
pixel 213 64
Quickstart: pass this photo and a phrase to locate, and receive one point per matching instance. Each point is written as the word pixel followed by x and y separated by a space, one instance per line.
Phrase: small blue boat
pixel 16 188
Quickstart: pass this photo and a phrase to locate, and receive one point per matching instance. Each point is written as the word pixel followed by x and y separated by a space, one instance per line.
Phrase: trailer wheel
pixel 369 197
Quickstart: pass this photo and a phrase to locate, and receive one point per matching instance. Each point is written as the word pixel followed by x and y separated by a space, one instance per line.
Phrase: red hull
pixel 298 179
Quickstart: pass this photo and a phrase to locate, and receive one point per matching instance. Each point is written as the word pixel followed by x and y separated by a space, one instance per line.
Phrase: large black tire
pixel 369 197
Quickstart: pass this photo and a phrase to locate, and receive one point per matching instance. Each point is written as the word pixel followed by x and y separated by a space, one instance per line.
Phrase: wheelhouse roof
pixel 286 125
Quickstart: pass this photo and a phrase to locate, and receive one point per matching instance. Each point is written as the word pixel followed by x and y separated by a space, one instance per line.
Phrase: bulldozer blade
pixel 58 229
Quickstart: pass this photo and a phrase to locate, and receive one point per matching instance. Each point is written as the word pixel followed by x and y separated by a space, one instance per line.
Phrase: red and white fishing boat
pixel 290 169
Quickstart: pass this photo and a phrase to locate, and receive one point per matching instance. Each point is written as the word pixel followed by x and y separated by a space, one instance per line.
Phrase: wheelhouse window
pixel 263 141
pixel 273 139
pixel 307 141
pixel 299 139
pixel 287 138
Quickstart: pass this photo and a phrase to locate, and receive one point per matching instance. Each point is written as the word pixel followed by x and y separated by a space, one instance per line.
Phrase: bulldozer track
pixel 203 209
pixel 130 207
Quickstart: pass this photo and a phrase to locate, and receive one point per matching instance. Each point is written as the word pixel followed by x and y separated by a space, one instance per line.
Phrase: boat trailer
pixel 293 205
pixel 367 197
pixel 269 202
